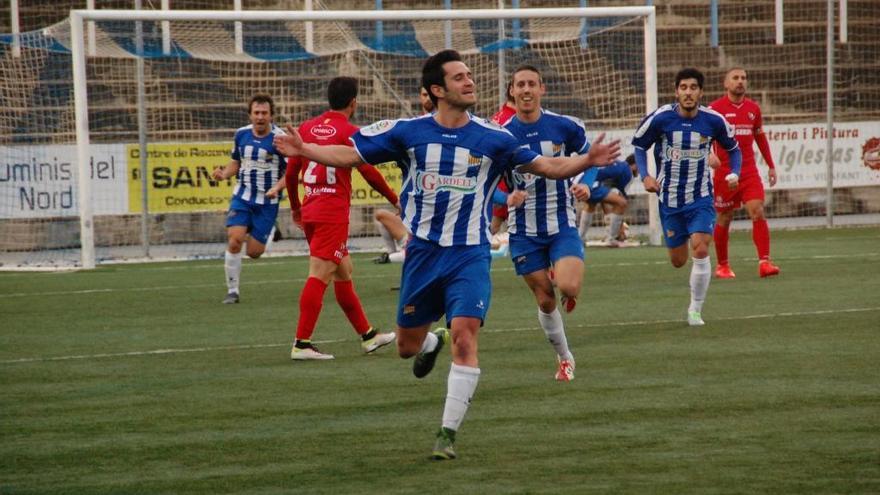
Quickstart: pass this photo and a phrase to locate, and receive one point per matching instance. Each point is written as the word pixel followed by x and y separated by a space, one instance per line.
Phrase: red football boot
pixel 724 271
pixel 767 269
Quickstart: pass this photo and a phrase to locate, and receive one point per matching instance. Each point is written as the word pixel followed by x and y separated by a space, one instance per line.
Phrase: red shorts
pixel 748 189
pixel 328 241
pixel 499 211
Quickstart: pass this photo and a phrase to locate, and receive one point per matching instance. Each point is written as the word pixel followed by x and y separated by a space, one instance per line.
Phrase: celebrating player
pixel 259 173
pixel 324 217
pixel 608 190
pixel 543 233
pixel 452 161
pixel 745 116
pixel 682 134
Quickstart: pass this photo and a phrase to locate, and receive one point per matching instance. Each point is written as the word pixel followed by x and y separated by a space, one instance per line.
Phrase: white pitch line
pixel 300 280
pixel 504 330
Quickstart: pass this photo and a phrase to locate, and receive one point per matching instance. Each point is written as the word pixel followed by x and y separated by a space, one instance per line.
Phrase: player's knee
pixel 678 261
pixel 406 349
pixel 407 345
pixel 255 253
pixel 546 300
pixel 547 305
pixel 234 245
pixel 700 251
pixel 756 214
pixel 463 347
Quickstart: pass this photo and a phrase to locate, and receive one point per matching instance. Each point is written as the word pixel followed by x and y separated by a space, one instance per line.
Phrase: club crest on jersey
pixel 430 182
pixel 377 128
pixel 557 149
pixel 751 116
pixel 523 180
pixel 323 131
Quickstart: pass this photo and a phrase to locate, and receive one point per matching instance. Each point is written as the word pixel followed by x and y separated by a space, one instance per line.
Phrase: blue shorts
pixel 598 193
pixel 531 254
pixel 438 280
pixel 680 223
pixel 259 219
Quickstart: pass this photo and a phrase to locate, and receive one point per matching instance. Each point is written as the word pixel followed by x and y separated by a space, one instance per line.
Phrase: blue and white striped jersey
pixel 681 151
pixel 448 174
pixel 549 205
pixel 261 165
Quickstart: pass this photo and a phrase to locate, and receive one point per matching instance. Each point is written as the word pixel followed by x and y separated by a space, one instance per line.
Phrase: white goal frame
pixel 78 18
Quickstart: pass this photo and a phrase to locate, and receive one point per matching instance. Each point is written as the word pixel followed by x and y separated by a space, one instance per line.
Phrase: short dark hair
pixel 528 67
pixel 689 73
pixel 433 73
pixel 631 158
pixel 261 98
pixel 341 91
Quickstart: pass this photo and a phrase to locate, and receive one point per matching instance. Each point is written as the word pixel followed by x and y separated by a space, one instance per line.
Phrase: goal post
pixel 599 65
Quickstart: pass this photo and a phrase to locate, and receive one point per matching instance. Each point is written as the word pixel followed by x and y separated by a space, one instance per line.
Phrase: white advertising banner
pixel 40 181
pixel 800 156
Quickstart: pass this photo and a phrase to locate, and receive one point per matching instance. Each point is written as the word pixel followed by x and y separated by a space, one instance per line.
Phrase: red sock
pixel 351 305
pixel 761 238
pixel 310 302
pixel 722 235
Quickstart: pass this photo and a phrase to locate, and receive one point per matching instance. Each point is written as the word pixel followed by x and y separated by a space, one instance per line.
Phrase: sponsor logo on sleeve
pixel 379 127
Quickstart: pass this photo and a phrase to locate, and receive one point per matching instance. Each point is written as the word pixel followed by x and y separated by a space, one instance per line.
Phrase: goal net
pixel 158 95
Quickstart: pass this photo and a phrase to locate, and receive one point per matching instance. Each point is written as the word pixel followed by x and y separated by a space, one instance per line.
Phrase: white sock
pixel 390 245
pixel 584 225
pixel 614 228
pixel 430 342
pixel 397 257
pixel 460 389
pixel 554 329
pixel 701 274
pixel 233 270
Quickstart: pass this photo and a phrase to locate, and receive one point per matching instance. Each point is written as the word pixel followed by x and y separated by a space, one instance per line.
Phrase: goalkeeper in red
pixel 745 116
pixel 324 216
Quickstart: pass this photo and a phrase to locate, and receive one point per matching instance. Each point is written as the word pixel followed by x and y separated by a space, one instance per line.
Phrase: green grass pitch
pixel 135 379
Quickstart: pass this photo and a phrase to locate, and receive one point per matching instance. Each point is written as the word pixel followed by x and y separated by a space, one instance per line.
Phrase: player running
pixel 543 232
pixel 745 116
pixel 682 135
pixel 453 161
pixel 324 216
pixel 259 174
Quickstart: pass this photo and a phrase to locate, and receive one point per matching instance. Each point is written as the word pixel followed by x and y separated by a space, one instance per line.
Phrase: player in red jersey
pixel 324 216
pixel 507 110
pixel 745 116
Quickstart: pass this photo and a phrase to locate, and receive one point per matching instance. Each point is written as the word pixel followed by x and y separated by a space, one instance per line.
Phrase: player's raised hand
pixel 650 184
pixel 580 192
pixel 602 153
pixel 290 143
